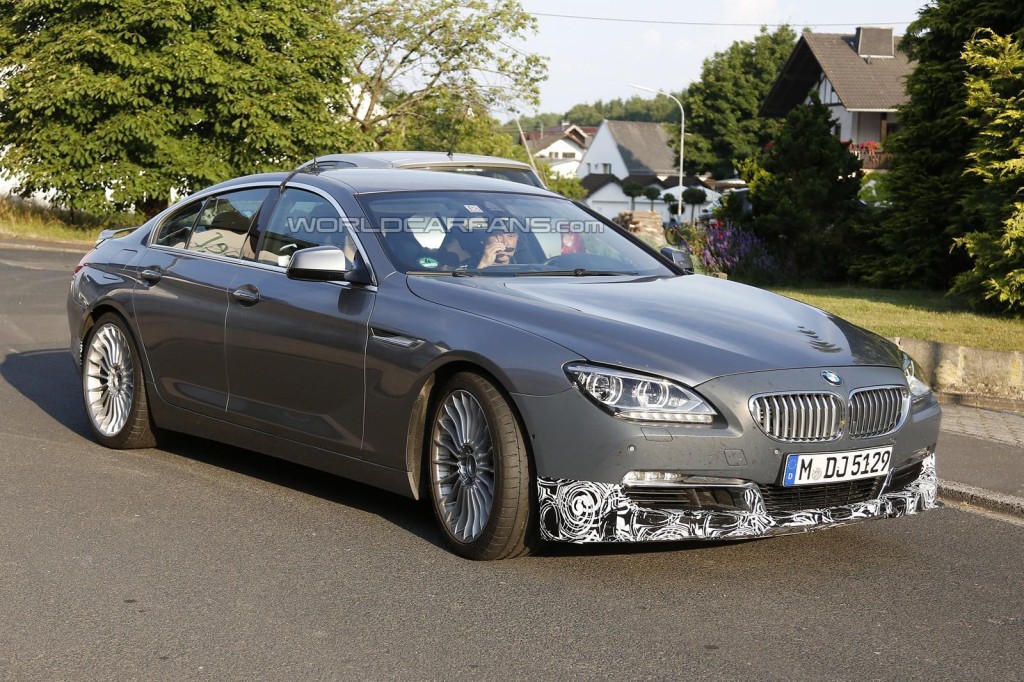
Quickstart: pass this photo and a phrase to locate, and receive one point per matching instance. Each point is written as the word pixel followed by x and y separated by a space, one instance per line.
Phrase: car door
pixel 182 297
pixel 295 349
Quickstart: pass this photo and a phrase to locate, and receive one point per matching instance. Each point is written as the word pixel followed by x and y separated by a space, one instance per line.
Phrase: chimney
pixel 874 41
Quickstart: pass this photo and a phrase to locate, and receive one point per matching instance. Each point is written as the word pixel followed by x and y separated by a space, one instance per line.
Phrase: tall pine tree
pixel 929 191
pixel 802 192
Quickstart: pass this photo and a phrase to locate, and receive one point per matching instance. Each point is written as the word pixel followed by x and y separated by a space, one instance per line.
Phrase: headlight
pixel 639 397
pixel 918 389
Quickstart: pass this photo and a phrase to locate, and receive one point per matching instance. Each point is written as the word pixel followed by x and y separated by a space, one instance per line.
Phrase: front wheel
pixel 480 478
pixel 114 387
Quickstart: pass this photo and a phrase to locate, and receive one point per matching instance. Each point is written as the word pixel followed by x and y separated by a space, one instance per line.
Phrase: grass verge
pixel 926 315
pixel 29 221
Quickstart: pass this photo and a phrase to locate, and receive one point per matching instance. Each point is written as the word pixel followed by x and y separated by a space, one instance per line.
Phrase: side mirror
pixel 319 264
pixel 680 257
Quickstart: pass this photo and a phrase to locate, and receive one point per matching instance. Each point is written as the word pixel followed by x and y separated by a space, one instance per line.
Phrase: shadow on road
pixel 48 378
pixel 409 515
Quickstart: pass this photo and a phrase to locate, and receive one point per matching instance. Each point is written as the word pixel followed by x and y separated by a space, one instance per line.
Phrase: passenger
pixel 572 242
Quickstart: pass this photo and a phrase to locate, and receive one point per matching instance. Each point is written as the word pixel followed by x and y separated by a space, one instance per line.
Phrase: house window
pixel 606 168
pixel 568 155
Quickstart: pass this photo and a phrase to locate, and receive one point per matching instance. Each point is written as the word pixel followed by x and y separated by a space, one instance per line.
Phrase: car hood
pixel 691 328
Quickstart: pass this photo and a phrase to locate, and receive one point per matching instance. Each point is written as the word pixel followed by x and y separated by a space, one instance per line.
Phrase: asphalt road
pixel 199 561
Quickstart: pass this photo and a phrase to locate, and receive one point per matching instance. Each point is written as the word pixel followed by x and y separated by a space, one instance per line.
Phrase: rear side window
pixel 224 222
pixel 175 229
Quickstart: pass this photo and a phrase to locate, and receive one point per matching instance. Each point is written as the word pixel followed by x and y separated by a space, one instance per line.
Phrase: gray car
pixel 465 164
pixel 533 370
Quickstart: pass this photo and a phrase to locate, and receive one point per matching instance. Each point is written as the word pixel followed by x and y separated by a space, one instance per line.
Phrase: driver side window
pixel 301 220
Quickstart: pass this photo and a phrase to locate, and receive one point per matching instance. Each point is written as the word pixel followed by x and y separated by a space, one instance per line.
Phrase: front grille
pixel 689 498
pixel 799 417
pixel 779 498
pixel 876 411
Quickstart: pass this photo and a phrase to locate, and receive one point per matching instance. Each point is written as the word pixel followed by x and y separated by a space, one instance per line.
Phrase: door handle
pixel 151 275
pixel 247 295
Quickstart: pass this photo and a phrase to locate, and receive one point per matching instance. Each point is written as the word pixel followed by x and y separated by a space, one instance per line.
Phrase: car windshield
pixel 496 233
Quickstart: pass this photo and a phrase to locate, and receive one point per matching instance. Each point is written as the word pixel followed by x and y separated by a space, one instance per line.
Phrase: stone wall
pixel 985 378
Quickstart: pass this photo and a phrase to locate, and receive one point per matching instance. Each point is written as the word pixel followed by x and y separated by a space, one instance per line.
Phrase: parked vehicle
pixel 466 164
pixel 536 372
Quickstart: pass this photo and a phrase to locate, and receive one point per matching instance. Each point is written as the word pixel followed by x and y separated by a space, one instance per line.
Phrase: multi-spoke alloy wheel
pixel 463 466
pixel 109 380
pixel 479 470
pixel 112 386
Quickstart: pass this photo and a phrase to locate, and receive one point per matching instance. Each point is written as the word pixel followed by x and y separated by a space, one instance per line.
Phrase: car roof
pixel 369 180
pixel 408 159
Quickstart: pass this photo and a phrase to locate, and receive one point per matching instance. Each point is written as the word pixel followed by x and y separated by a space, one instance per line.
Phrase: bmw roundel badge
pixel 832 378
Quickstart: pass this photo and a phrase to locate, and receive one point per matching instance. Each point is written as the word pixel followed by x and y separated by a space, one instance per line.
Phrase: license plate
pixel 830 467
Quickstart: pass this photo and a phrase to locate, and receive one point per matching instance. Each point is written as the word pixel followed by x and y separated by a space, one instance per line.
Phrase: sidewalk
pixel 980 458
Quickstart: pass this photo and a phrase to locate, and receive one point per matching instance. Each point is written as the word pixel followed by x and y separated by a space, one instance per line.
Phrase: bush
pixel 739 253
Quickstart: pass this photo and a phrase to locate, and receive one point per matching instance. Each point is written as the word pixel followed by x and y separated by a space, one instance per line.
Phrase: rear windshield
pixel 496 233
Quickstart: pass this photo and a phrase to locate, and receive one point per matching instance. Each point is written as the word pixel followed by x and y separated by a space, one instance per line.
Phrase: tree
pixel 694 197
pixel 141 98
pixel 632 189
pixel 452 50
pixel 996 244
pixel 929 153
pixel 566 185
pixel 659 109
pixel 652 194
pixel 535 122
pixel 450 122
pixel 806 185
pixel 670 202
pixel 722 125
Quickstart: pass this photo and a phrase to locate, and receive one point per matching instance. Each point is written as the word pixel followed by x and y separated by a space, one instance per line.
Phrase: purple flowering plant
pixel 736 252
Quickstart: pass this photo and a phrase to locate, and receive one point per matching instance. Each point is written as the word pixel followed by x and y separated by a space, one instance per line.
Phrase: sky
pixel 592 60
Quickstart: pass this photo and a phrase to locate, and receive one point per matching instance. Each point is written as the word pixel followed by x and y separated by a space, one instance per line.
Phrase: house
pixel 606 196
pixel 637 151
pixel 561 147
pixel 860 77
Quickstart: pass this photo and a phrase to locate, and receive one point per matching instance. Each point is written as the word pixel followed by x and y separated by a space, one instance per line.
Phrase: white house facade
pixel 634 151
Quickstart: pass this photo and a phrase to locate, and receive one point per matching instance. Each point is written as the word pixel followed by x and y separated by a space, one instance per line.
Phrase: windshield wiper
pixel 578 272
pixel 443 273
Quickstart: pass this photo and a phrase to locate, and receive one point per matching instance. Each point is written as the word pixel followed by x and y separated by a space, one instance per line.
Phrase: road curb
pixel 979 497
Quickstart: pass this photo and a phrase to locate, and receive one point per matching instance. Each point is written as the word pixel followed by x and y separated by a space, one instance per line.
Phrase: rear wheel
pixel 480 478
pixel 114 386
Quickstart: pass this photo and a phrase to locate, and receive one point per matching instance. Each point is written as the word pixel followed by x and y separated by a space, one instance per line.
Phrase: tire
pixel 481 483
pixel 114 386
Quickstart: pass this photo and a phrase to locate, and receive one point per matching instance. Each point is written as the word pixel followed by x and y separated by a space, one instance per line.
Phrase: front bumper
pixel 587 511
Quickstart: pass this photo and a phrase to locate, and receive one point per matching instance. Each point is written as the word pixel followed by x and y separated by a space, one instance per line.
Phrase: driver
pixel 499 249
